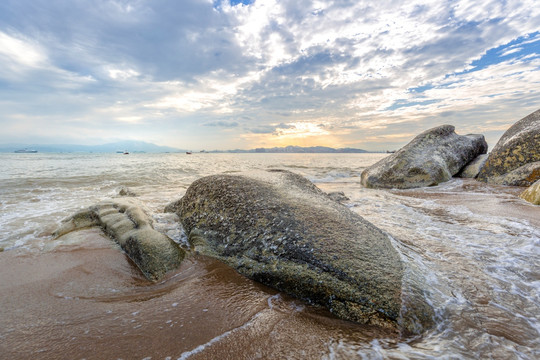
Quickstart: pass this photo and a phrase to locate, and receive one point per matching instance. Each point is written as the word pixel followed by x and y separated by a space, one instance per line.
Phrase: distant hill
pixel 130 146
pixel 298 149
pixel 141 146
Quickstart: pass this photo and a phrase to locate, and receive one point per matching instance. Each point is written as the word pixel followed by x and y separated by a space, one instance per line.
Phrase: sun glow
pixel 301 130
pixel 294 134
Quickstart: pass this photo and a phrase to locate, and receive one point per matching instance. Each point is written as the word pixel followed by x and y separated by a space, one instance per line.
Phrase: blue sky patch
pixel 421 89
pixel 518 48
pixel 245 2
pixel 401 103
pixel 523 46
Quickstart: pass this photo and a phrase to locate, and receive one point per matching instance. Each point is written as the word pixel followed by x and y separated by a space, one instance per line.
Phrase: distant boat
pixel 189 152
pixel 25 151
pixel 126 152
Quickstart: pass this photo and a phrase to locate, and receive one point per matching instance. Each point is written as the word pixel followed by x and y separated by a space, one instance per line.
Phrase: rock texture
pixel 524 175
pixel 472 169
pixel 430 158
pixel 122 219
pixel 532 194
pixel 519 145
pixel 278 228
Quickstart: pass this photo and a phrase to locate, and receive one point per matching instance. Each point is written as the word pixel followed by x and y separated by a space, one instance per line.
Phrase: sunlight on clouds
pixel 266 140
pixel 251 22
pixel 118 74
pixel 21 57
pixel 301 130
pixel 188 101
pixel 213 93
pixel 296 133
pixel 19 53
pixel 129 119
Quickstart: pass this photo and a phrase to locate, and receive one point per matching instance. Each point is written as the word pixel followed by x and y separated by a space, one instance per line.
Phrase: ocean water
pixel 476 246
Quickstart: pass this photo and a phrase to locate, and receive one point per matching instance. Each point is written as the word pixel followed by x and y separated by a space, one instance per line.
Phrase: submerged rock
pixel 430 158
pixel 472 169
pixel 124 191
pixel 532 194
pixel 338 196
pixel 154 253
pixel 278 228
pixel 519 145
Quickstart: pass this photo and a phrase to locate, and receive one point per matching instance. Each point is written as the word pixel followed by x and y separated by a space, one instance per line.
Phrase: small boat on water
pixel 25 151
pixel 126 152
pixel 189 152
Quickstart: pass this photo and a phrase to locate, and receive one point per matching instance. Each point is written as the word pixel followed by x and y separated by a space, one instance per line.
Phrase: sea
pixel 476 245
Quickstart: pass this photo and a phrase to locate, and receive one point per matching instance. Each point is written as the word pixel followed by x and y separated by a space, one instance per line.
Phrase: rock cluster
pixel 430 158
pixel 124 220
pixel 279 229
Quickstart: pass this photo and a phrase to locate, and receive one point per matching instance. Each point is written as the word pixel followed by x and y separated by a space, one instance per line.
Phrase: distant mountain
pixel 141 146
pixel 298 149
pixel 128 145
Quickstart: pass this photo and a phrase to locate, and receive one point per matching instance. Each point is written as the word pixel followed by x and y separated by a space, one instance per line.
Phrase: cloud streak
pixel 247 73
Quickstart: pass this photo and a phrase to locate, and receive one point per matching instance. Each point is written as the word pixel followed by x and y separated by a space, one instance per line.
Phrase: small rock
pixel 127 223
pixel 124 191
pixel 338 196
pixel 532 194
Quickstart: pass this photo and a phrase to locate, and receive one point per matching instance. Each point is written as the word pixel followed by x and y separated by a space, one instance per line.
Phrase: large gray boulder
pixel 124 220
pixel 519 145
pixel 431 158
pixel 278 228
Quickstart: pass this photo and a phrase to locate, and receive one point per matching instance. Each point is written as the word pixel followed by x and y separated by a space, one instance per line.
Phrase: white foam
pixel 276 297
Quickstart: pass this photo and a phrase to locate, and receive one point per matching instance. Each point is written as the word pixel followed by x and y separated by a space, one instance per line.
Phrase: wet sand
pixel 89 301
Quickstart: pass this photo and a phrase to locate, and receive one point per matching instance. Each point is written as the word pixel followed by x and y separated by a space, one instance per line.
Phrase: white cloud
pixel 18 54
pixel 346 64
pixel 121 74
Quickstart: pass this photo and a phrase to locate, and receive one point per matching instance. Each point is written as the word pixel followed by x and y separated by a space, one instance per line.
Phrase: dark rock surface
pixel 519 145
pixel 278 228
pixel 124 220
pixel 430 158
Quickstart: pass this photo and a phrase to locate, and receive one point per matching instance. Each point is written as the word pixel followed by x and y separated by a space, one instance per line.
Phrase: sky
pixel 230 74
